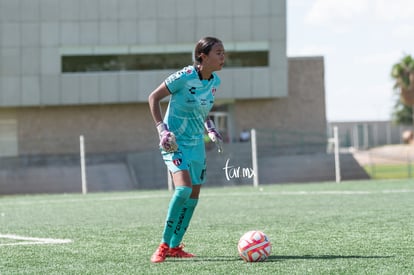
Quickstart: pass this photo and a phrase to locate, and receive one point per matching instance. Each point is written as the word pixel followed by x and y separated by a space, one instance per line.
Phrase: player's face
pixel 215 58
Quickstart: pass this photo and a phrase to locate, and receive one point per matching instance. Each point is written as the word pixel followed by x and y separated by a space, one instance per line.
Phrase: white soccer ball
pixel 254 246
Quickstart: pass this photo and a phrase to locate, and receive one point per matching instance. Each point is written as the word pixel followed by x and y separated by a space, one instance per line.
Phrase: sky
pixel 360 40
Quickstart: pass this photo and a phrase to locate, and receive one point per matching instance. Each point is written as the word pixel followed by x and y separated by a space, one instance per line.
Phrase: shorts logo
pixel 177 162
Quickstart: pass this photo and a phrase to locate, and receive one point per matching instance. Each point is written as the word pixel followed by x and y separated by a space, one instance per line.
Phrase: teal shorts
pixel 191 158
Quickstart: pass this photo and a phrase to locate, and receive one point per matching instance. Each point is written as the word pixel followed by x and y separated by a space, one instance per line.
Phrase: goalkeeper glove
pixel 167 139
pixel 214 135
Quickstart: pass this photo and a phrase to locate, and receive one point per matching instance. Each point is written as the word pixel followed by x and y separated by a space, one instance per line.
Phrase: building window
pixel 158 61
pixel 247 59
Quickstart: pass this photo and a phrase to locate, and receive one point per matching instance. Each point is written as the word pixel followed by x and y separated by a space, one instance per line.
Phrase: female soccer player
pixel 181 134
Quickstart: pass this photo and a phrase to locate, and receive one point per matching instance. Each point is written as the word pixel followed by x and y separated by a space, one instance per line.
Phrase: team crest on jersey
pixel 213 91
pixel 177 162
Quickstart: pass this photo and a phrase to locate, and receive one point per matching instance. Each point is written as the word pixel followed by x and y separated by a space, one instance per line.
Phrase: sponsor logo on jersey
pixel 192 90
pixel 174 77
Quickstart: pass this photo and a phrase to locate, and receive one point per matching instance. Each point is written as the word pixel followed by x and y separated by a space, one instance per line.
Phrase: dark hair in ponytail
pixel 204 45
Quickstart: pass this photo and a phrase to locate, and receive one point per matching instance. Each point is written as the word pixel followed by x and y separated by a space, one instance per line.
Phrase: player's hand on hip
pixel 167 139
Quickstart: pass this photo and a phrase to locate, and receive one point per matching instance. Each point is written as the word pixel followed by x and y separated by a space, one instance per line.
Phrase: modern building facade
pixel 43 96
pixel 75 67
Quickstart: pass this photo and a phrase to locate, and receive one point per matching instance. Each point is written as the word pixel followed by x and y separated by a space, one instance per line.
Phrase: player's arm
pixel 167 138
pixel 154 100
pixel 214 134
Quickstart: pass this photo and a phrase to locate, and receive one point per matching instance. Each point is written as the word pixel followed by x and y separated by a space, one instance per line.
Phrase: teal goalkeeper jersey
pixel 191 101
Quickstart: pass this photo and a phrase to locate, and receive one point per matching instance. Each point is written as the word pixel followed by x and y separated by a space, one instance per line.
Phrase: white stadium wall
pixel 35 35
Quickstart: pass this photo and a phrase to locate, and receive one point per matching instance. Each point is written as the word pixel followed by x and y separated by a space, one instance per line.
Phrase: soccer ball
pixel 254 246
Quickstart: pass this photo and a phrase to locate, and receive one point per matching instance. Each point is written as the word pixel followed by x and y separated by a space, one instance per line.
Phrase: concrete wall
pixel 129 127
pixel 303 110
pixel 35 34
pixel 43 111
pixel 48 142
pixel 106 128
pixel 145 170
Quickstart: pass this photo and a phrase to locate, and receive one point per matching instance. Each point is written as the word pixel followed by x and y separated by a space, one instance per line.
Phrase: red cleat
pixel 178 252
pixel 160 254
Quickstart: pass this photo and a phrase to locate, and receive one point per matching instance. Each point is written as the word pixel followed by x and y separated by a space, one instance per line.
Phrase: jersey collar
pixel 200 76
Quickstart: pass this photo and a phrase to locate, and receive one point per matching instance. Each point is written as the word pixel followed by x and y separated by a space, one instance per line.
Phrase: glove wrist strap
pixel 161 127
pixel 209 124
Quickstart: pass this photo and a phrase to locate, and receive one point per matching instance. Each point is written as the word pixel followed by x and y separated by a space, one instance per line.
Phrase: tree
pixel 403 74
pixel 402 114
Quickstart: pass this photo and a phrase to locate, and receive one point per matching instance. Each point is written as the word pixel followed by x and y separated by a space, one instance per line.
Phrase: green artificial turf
pixel 359 227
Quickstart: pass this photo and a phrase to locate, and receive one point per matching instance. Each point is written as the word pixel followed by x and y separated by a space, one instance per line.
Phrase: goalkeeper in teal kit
pixel 181 133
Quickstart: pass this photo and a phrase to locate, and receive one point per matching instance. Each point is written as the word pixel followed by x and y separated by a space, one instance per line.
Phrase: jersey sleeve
pixel 177 80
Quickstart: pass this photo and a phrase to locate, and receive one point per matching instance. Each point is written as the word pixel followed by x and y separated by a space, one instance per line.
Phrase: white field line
pixel 260 192
pixel 339 192
pixel 31 240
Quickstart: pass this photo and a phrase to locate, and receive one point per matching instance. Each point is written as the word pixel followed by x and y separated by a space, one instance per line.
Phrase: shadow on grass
pixel 322 257
pixel 209 259
pixel 275 258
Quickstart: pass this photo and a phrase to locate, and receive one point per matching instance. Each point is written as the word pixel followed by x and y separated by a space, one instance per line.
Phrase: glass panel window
pixel 157 61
